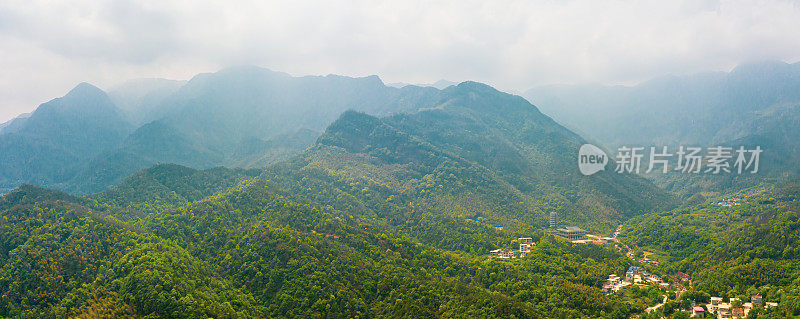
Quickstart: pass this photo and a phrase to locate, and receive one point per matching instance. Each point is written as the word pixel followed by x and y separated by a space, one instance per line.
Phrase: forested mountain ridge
pixel 479 153
pixel 252 117
pixel 167 186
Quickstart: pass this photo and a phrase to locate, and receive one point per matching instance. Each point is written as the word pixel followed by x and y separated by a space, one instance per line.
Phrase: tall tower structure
pixel 553 220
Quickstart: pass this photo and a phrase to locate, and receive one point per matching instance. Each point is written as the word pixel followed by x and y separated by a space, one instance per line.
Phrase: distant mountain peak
pixel 85 89
pixel 370 80
pixel 83 99
pixel 443 84
pixel 352 122
pixel 249 69
pixel 374 78
pixel 240 73
pixel 763 66
pixel 472 90
pixel 475 85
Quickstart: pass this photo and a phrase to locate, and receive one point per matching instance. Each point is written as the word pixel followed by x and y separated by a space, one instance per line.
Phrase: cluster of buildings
pixel 634 275
pixel 614 284
pixel 575 234
pixel 503 253
pixel 727 310
pixel 525 244
pixel 728 202
pixel 638 274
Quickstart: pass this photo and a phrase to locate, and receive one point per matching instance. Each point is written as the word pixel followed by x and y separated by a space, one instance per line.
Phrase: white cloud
pixel 46 48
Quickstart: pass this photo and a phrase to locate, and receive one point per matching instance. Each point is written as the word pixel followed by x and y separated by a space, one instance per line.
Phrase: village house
pixel 654 279
pixel 524 250
pixel 503 253
pixel 714 305
pixel 634 275
pixel 756 300
pixel 698 312
pixel 738 312
pixel 525 244
pixel 726 310
pixel 613 284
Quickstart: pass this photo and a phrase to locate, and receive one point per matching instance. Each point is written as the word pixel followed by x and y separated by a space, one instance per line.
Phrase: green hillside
pixel 257 251
pixel 731 251
pixel 496 159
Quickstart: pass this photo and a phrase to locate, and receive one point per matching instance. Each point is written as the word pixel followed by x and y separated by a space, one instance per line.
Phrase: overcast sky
pixel 46 47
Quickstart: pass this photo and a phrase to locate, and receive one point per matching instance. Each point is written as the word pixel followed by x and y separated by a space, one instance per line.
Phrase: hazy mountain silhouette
pixel 49 145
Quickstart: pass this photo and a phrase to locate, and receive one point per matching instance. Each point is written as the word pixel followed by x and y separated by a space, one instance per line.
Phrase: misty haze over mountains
pixel 699 109
pixel 223 118
pixel 89 140
pixel 249 161
pixel 432 173
pixel 756 104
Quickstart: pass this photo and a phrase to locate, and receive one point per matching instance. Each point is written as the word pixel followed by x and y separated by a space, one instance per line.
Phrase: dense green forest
pixel 257 251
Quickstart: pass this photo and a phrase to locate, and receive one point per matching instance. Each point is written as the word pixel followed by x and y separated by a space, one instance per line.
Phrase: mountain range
pixel 699 109
pixel 249 193
pixel 240 116
pixel 378 210
pixel 754 105
pixel 251 117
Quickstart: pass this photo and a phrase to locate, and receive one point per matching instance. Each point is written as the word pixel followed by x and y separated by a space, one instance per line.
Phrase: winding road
pixel 657 306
